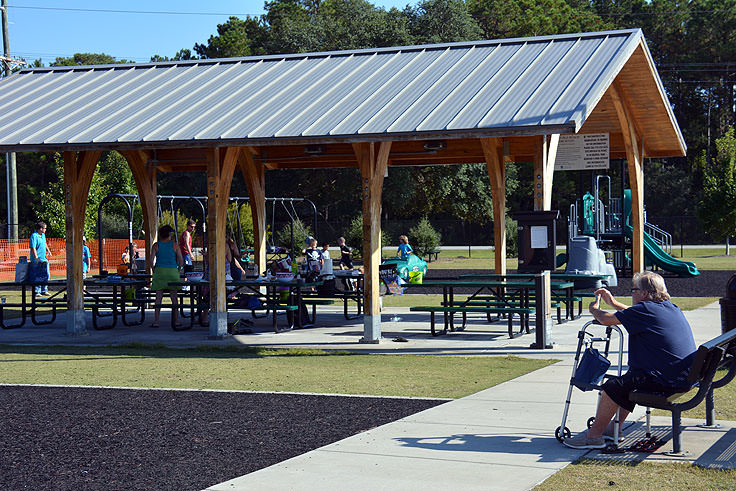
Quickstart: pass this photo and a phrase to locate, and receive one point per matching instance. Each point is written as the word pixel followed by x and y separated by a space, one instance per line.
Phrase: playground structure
pixel 177 202
pixel 607 218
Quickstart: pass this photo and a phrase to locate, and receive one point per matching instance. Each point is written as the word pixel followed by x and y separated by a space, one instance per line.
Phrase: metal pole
pixel 10 166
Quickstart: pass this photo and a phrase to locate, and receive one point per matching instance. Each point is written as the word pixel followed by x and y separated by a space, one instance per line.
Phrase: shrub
pixel 282 238
pixel 512 237
pixel 423 237
pixel 354 236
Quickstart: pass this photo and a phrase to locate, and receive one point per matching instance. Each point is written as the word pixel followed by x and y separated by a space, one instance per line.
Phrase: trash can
pixel 728 306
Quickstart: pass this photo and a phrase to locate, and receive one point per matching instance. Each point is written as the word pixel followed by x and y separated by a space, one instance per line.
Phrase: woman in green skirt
pixel 167 260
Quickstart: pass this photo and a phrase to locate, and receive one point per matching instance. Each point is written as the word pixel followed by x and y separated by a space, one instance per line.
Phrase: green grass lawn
pixel 260 369
pixel 705 259
pixel 588 474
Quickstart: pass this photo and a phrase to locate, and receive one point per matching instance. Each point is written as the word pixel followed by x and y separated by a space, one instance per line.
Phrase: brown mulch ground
pixel 87 438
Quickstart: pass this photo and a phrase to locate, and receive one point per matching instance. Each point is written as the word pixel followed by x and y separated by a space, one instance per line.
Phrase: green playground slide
pixel 655 254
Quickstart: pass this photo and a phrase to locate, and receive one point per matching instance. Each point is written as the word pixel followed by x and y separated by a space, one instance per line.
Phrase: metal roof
pixel 532 85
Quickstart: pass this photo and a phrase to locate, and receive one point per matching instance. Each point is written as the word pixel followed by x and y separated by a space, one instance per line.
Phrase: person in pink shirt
pixel 185 242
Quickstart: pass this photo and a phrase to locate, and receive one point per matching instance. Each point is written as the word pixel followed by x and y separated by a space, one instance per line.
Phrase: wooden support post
pixel 636 173
pixel 144 176
pixel 220 168
pixel 373 161
pixel 493 152
pixel 78 172
pixel 254 174
pixel 544 169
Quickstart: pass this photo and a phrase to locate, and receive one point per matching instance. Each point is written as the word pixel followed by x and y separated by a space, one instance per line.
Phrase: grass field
pixel 260 369
pixel 591 474
pixel 705 259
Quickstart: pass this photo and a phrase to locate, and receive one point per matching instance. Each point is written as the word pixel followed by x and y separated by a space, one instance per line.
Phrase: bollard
pixel 543 315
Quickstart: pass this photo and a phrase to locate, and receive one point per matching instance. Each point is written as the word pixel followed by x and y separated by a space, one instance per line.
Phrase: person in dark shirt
pixel 661 350
pixel 346 254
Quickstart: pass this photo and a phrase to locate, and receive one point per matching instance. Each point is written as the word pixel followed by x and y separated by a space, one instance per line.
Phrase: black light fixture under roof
pixel 435 145
pixel 314 149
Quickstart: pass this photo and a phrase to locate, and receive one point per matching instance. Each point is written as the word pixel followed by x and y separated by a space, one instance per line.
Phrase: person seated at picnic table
pixel 314 255
pixel 125 258
pixel 166 263
pixel 661 350
pixel 404 248
pixel 232 259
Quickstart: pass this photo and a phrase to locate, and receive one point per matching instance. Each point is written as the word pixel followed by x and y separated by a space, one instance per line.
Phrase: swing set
pixel 177 202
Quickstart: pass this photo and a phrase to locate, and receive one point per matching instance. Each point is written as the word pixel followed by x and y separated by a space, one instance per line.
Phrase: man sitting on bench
pixel 661 350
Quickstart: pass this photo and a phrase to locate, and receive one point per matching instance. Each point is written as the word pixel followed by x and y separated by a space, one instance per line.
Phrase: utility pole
pixel 11 177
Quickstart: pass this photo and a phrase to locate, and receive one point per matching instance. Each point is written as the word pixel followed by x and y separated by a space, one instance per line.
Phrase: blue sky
pixel 63 27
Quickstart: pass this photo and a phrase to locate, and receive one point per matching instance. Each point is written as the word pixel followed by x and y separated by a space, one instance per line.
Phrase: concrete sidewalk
pixel 499 438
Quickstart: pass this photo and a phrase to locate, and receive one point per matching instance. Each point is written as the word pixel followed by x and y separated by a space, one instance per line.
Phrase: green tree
pixel 111 176
pixel 236 37
pixel 424 237
pixel 441 21
pixel 519 18
pixel 717 208
pixel 87 59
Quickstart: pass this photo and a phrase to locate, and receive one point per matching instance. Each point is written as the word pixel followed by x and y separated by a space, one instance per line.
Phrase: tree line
pixel 693 45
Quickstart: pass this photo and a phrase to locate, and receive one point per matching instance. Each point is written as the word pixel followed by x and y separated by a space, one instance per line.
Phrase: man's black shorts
pixel 618 388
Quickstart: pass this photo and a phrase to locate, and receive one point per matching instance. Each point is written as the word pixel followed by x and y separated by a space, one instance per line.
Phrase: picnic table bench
pixel 513 298
pixel 719 352
pixel 434 253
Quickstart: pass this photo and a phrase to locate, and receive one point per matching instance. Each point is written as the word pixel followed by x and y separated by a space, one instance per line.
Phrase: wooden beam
pixel 220 168
pixel 544 169
pixel 493 152
pixel 373 161
pixel 636 173
pixel 145 176
pixel 254 174
pixel 78 172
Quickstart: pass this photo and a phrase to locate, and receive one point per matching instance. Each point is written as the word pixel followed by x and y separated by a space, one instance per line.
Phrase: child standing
pixel 404 248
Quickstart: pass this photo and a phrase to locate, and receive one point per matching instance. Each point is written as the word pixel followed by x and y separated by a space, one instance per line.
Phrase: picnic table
pixel 352 291
pixel 569 296
pixel 109 299
pixel 32 303
pixel 504 297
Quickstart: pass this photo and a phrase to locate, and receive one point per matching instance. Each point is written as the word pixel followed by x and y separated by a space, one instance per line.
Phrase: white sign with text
pixel 582 152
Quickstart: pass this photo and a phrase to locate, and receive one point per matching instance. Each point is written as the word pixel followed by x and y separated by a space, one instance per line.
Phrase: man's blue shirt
pixel 38 241
pixel 660 341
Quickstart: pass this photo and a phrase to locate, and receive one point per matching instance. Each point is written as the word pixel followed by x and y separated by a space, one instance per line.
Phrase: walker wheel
pixel 591 420
pixel 561 433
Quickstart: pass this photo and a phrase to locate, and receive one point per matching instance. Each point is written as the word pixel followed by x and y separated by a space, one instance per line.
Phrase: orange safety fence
pixel 12 249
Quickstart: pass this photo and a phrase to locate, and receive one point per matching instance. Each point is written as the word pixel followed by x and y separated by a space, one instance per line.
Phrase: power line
pixel 112 11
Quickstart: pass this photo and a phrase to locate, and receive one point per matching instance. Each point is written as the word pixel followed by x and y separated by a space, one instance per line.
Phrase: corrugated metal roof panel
pixel 454 87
